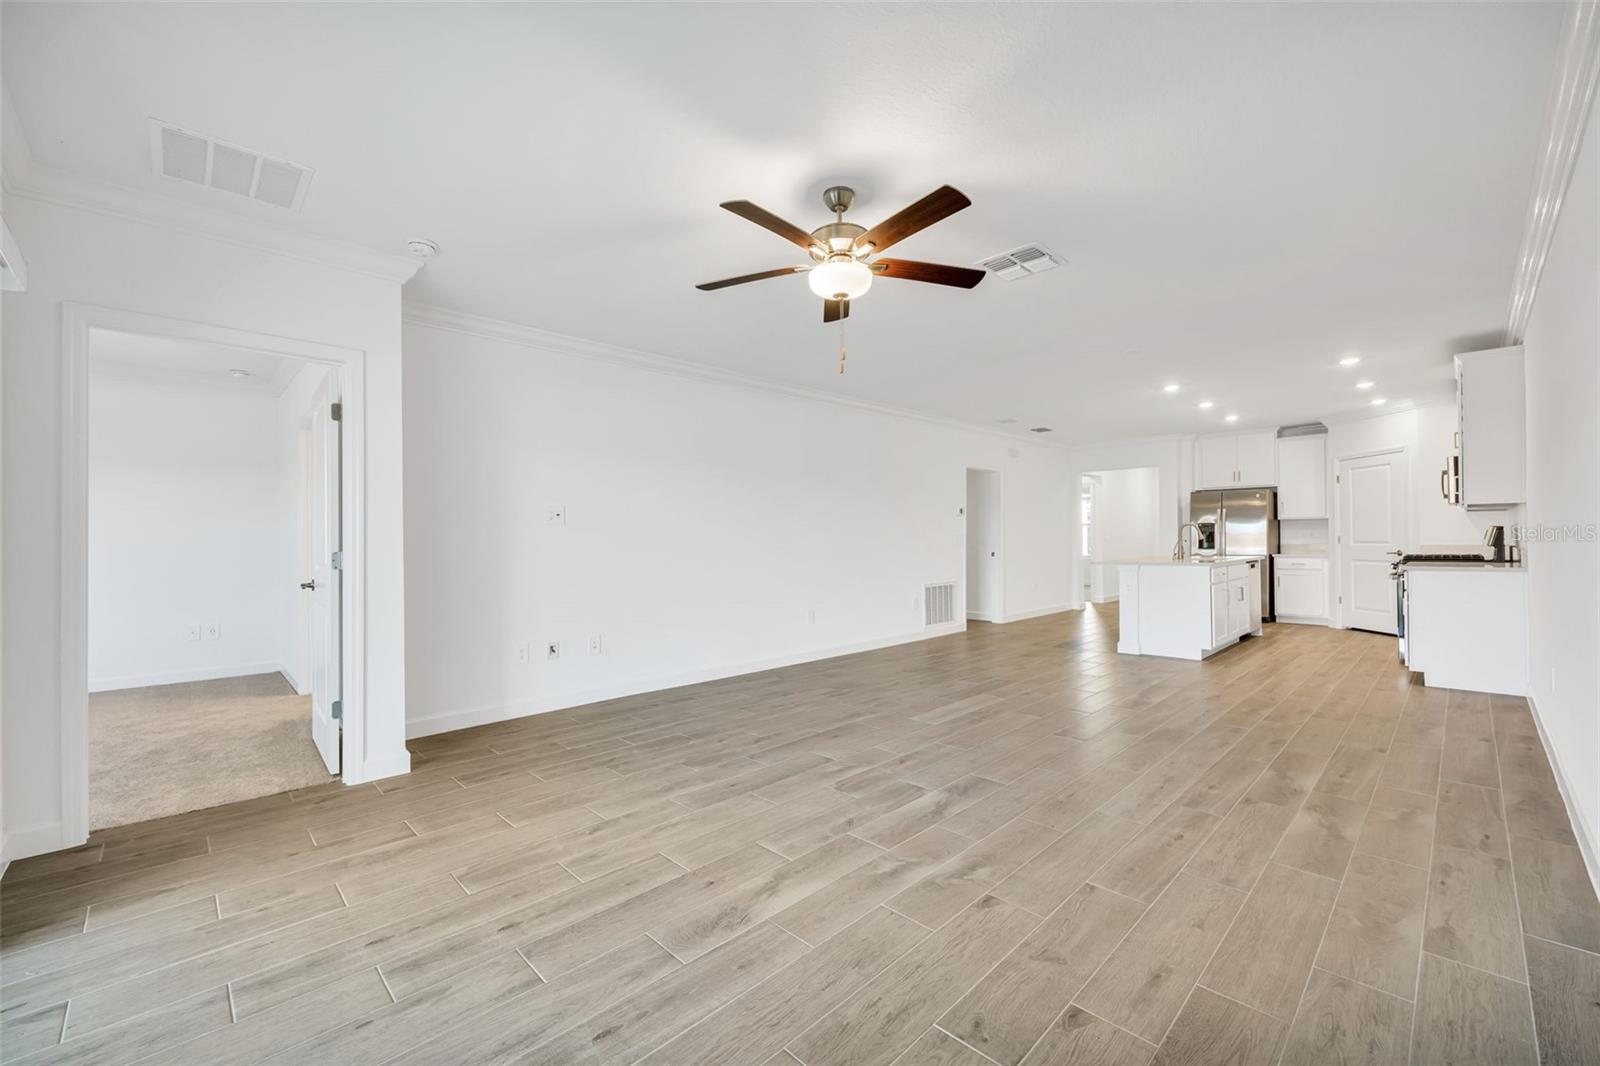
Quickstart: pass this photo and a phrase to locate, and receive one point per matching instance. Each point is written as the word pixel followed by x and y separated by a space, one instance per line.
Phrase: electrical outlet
pixel 193 632
pixel 556 514
pixel 811 616
pixel 213 630
pixel 594 644
pixel 524 652
pixel 552 650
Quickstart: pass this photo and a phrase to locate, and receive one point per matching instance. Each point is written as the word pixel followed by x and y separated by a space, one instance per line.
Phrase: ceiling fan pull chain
pixel 841 346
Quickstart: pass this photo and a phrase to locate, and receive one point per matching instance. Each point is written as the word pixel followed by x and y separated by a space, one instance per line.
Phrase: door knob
pixel 308 584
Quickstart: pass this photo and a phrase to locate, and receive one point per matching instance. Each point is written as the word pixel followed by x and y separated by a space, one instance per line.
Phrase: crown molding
pixel 1572 94
pixel 28 179
pixel 432 316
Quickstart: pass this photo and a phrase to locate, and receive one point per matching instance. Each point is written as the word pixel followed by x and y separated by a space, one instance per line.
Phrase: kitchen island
pixel 1188 608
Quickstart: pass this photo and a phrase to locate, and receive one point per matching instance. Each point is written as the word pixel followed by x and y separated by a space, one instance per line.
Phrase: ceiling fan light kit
pixel 841 252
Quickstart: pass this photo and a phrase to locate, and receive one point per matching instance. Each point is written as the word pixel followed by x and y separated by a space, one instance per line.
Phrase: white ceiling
pixel 1244 192
pixel 137 355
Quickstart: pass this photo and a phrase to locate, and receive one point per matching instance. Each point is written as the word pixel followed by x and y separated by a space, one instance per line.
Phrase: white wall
pixel 1562 348
pixel 703 520
pixel 108 260
pixel 184 530
pixel 1171 459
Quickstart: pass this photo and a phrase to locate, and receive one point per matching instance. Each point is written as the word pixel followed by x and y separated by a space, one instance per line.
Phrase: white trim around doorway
pixel 77 321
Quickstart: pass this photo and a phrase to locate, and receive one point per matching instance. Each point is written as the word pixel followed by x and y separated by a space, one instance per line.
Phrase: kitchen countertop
pixel 1193 560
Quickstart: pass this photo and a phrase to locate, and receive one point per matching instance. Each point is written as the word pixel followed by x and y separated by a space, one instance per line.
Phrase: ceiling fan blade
pixel 937 273
pixel 834 310
pixel 725 282
pixel 769 221
pixel 939 204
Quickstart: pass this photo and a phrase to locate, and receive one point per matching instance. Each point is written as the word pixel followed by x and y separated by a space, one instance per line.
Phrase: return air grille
pixel 201 160
pixel 938 604
pixel 1020 262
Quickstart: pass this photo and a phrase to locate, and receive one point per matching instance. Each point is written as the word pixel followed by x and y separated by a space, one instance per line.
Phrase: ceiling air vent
pixel 194 157
pixel 1020 262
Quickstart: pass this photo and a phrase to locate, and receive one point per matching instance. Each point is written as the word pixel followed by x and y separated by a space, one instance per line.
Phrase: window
pixel 1086 517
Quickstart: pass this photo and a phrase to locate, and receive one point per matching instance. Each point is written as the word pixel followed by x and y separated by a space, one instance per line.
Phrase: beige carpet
pixel 175 748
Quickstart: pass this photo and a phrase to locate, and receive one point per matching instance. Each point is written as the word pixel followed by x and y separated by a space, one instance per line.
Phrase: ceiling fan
pixel 842 266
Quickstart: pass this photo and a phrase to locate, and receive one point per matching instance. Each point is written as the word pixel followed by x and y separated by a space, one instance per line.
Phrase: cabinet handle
pixel 1444 475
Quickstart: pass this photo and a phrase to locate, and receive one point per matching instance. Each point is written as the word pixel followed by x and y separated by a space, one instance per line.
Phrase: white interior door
pixel 1373 524
pixel 983 545
pixel 326 678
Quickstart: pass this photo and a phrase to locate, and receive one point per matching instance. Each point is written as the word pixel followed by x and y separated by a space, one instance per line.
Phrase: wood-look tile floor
pixel 1009 846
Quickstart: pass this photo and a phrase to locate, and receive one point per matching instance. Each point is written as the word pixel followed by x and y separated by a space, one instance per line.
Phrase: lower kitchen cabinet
pixel 1300 588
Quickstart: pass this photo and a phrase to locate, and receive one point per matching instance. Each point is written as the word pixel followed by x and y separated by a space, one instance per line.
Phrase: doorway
pixel 985 576
pixel 1119 514
pixel 212 658
pixel 1373 522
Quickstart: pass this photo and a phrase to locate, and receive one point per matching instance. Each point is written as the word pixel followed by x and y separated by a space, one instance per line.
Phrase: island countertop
pixel 1193 560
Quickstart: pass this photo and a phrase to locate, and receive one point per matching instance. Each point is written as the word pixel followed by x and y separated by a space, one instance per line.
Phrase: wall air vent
pixel 201 160
pixel 938 604
pixel 1020 262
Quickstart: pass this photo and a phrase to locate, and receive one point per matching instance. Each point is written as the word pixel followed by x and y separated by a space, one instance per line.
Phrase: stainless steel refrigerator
pixel 1239 522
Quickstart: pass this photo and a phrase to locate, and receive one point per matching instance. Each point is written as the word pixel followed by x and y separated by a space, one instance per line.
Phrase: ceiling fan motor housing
pixel 837 238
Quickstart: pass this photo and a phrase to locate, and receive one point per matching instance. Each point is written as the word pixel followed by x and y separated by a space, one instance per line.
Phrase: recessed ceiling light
pixel 1040 429
pixel 1005 421
pixel 1365 384
pixel 1379 402
pixel 422 248
pixel 1206 405
pixel 237 373
pixel 1169 387
pixel 1230 418
pixel 1350 360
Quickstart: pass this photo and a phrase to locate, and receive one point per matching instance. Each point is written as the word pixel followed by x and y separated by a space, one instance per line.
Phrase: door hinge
pixel 336 412
pixel 338 710
pixel 337 561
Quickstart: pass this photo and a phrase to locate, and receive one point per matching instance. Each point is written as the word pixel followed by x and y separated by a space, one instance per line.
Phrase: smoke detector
pixel 238 373
pixel 201 160
pixel 422 248
pixel 1020 262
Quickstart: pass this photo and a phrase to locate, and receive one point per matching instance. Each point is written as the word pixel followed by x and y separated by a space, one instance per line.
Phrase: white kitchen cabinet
pixel 1303 477
pixel 1238 606
pixel 1258 459
pixel 1235 460
pixel 1489 408
pixel 1467 627
pixel 1216 461
pixel 1185 609
pixel 1300 589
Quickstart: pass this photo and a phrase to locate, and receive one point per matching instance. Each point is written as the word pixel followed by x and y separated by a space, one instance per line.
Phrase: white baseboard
pixel 980 616
pixel 294 682
pixel 178 677
pixel 35 840
pixel 391 765
pixel 449 721
pixel 1020 616
pixel 1580 828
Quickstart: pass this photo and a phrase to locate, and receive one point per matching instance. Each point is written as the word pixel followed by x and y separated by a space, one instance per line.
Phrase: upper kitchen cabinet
pixel 1303 477
pixel 1489 406
pixel 1234 460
